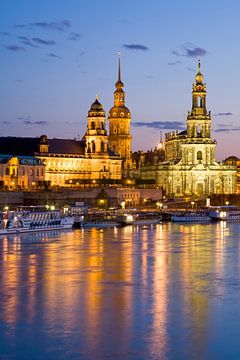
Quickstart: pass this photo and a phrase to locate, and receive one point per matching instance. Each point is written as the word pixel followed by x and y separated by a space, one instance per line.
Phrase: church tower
pixel 119 124
pixel 198 147
pixel 96 134
pixel 199 120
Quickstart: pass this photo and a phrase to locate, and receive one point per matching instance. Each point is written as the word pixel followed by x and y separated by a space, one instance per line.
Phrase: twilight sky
pixel 56 55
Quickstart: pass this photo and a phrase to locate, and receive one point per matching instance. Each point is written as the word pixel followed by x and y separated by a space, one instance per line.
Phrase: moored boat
pixel 14 222
pixel 191 217
pixel 138 219
pixel 225 213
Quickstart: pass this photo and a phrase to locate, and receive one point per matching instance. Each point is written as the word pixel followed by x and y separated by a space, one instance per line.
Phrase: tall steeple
pixel 119 122
pixel 119 94
pixel 199 119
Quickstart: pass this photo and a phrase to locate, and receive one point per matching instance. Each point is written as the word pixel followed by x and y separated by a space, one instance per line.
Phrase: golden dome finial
pixel 96 97
pixel 199 76
pixel 199 65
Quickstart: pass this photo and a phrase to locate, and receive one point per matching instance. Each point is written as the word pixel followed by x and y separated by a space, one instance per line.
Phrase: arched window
pixel 199 155
pixel 93 125
pixel 102 146
pixel 199 101
pixel 93 147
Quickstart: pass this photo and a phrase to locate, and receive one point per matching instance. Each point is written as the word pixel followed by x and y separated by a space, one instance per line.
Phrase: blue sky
pixel 55 56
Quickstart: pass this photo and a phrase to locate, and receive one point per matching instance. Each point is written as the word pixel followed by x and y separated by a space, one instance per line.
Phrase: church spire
pixel 119 84
pixel 119 66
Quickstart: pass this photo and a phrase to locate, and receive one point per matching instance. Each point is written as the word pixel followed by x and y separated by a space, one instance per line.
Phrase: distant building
pixel 234 161
pixel 21 172
pixel 190 167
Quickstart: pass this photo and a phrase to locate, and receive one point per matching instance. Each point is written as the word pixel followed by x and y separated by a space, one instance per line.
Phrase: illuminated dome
pixel 119 112
pixel 96 105
pixel 96 109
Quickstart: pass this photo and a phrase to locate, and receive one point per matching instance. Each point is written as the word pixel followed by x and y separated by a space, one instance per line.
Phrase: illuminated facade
pixel 67 163
pixel 21 172
pixel 89 161
pixel 190 167
pixel 119 125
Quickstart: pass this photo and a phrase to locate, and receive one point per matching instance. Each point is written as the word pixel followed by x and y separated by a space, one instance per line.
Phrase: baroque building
pixel 63 162
pixel 190 167
pixel 119 125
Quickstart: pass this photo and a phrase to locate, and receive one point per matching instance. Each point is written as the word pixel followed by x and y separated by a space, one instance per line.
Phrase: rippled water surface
pixel 160 292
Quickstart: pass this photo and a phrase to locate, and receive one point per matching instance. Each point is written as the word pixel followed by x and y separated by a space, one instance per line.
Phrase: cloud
pixel 15 48
pixel 29 122
pixel 228 113
pixel 135 47
pixel 26 41
pixel 74 36
pixel 4 33
pixel 60 25
pixel 177 62
pixel 163 125
pixel 191 69
pixel 149 76
pixel 195 52
pixel 52 55
pixel 227 129
pixel 43 42
pixel 6 122
pixel 190 50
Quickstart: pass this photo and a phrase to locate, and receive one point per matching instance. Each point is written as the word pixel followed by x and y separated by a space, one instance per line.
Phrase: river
pixel 166 291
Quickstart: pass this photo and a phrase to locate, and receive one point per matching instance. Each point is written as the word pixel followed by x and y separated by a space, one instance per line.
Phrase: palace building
pixel 190 167
pixel 62 162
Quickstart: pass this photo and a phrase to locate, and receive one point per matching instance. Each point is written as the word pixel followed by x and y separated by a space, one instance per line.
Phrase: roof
pixel 26 146
pixel 66 146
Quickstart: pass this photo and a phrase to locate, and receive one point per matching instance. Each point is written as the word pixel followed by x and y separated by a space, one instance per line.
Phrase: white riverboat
pixel 138 219
pixel 191 217
pixel 225 213
pixel 34 220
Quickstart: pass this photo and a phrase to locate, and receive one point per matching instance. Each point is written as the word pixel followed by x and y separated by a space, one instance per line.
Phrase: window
pixel 199 155
pixel 7 171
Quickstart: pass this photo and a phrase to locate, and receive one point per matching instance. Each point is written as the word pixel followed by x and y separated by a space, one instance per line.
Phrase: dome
pixel 96 106
pixel 96 109
pixel 119 112
pixel 199 78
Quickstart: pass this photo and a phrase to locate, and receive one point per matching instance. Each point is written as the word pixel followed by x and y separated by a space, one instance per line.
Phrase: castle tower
pixel 96 134
pixel 119 124
pixel 199 120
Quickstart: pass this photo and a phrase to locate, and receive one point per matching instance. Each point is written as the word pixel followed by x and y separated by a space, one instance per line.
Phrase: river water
pixel 166 291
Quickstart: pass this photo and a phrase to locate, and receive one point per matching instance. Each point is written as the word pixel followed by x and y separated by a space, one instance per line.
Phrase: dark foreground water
pixel 163 292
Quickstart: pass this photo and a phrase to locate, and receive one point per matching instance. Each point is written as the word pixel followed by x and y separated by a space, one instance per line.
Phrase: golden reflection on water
pixel 108 280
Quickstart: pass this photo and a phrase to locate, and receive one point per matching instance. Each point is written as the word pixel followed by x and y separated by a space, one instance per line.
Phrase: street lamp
pixel 227 203
pixel 192 203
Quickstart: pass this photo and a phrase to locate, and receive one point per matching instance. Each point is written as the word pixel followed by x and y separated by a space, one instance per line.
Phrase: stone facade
pixel 21 172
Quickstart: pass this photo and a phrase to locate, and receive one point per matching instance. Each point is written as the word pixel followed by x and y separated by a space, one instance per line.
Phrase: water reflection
pixel 123 293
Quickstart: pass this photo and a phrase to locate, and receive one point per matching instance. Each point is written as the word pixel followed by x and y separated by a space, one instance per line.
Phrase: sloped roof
pixel 27 146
